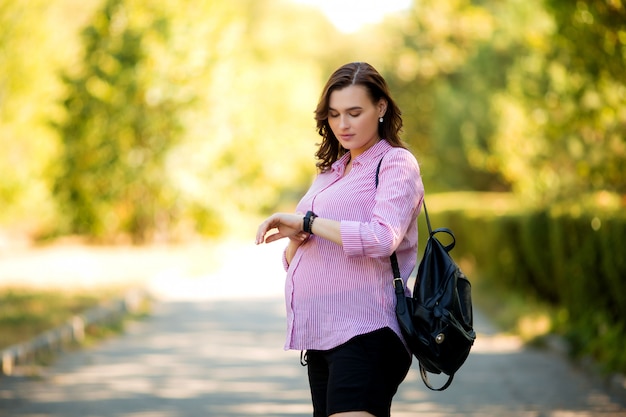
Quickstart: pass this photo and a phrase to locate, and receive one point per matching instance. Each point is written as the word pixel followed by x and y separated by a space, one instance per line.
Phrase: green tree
pixel 121 121
pixel 250 141
pixel 30 55
pixel 467 115
pixel 444 72
pixel 562 121
pixel 526 95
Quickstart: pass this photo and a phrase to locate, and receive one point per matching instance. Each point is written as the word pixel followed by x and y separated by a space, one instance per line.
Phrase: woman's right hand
pixel 286 225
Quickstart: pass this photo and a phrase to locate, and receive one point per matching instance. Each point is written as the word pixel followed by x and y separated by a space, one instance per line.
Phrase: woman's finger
pixel 261 232
pixel 274 237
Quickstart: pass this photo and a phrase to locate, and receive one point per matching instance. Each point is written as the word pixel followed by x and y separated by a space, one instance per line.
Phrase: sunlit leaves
pixel 571 107
pixel 192 113
pixel 515 94
pixel 117 132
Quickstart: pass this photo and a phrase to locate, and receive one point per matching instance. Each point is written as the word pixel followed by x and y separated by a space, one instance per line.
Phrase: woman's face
pixel 353 118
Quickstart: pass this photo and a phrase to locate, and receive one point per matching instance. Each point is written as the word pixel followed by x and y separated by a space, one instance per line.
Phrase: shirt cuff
pixel 351 238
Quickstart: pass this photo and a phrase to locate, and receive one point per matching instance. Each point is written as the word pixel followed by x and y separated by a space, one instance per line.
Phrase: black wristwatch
pixel 307 224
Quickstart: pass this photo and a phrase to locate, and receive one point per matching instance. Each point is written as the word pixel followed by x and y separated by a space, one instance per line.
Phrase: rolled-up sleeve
pixel 351 238
pixel 398 196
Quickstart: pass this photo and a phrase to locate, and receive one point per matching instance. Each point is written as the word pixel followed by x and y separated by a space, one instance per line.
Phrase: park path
pixel 213 347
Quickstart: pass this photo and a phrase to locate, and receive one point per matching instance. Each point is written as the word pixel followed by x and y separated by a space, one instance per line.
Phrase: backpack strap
pixel 424 374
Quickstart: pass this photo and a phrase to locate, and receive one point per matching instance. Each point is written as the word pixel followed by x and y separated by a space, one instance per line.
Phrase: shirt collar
pixel 373 153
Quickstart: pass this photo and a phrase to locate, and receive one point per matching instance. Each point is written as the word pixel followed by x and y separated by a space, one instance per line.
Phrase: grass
pixel 26 312
pixel 510 311
pixel 514 313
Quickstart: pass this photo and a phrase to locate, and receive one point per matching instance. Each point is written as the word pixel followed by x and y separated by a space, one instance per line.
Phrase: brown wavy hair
pixel 363 74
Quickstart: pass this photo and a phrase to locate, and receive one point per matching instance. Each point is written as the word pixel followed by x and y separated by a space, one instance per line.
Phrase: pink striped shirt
pixel 333 292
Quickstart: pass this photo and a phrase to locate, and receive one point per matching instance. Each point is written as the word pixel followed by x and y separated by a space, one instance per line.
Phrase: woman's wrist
pixel 311 223
pixel 307 222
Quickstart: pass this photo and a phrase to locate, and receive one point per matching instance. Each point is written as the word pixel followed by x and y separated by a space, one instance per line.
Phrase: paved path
pixel 210 349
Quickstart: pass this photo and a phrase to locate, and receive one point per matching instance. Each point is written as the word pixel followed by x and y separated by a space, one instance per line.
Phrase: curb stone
pixel 72 331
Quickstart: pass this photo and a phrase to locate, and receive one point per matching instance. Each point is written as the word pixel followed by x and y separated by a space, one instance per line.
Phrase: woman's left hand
pixel 286 225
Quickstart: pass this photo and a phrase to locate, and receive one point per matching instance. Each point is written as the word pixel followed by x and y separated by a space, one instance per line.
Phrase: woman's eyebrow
pixel 349 109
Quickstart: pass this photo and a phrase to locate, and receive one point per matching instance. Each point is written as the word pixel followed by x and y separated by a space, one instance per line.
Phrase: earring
pixel 380 119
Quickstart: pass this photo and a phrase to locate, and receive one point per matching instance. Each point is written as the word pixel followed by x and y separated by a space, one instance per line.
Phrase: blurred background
pixel 161 120
pixel 168 121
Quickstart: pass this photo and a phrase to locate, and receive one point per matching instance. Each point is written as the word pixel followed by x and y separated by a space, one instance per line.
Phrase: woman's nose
pixel 343 122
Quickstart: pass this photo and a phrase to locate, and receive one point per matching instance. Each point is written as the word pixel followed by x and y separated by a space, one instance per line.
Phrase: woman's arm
pixel 398 195
pixel 286 225
pixel 290 225
pixel 327 229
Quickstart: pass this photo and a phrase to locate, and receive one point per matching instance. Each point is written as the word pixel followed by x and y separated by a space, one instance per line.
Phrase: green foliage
pixel 514 94
pixel 250 137
pixel 176 117
pixel 173 117
pixel 561 117
pixel 598 336
pixel 592 34
pixel 121 121
pixel 29 57
pixel 441 92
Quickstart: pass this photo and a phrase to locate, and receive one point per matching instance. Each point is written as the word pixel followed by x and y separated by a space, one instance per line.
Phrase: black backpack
pixel 437 320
